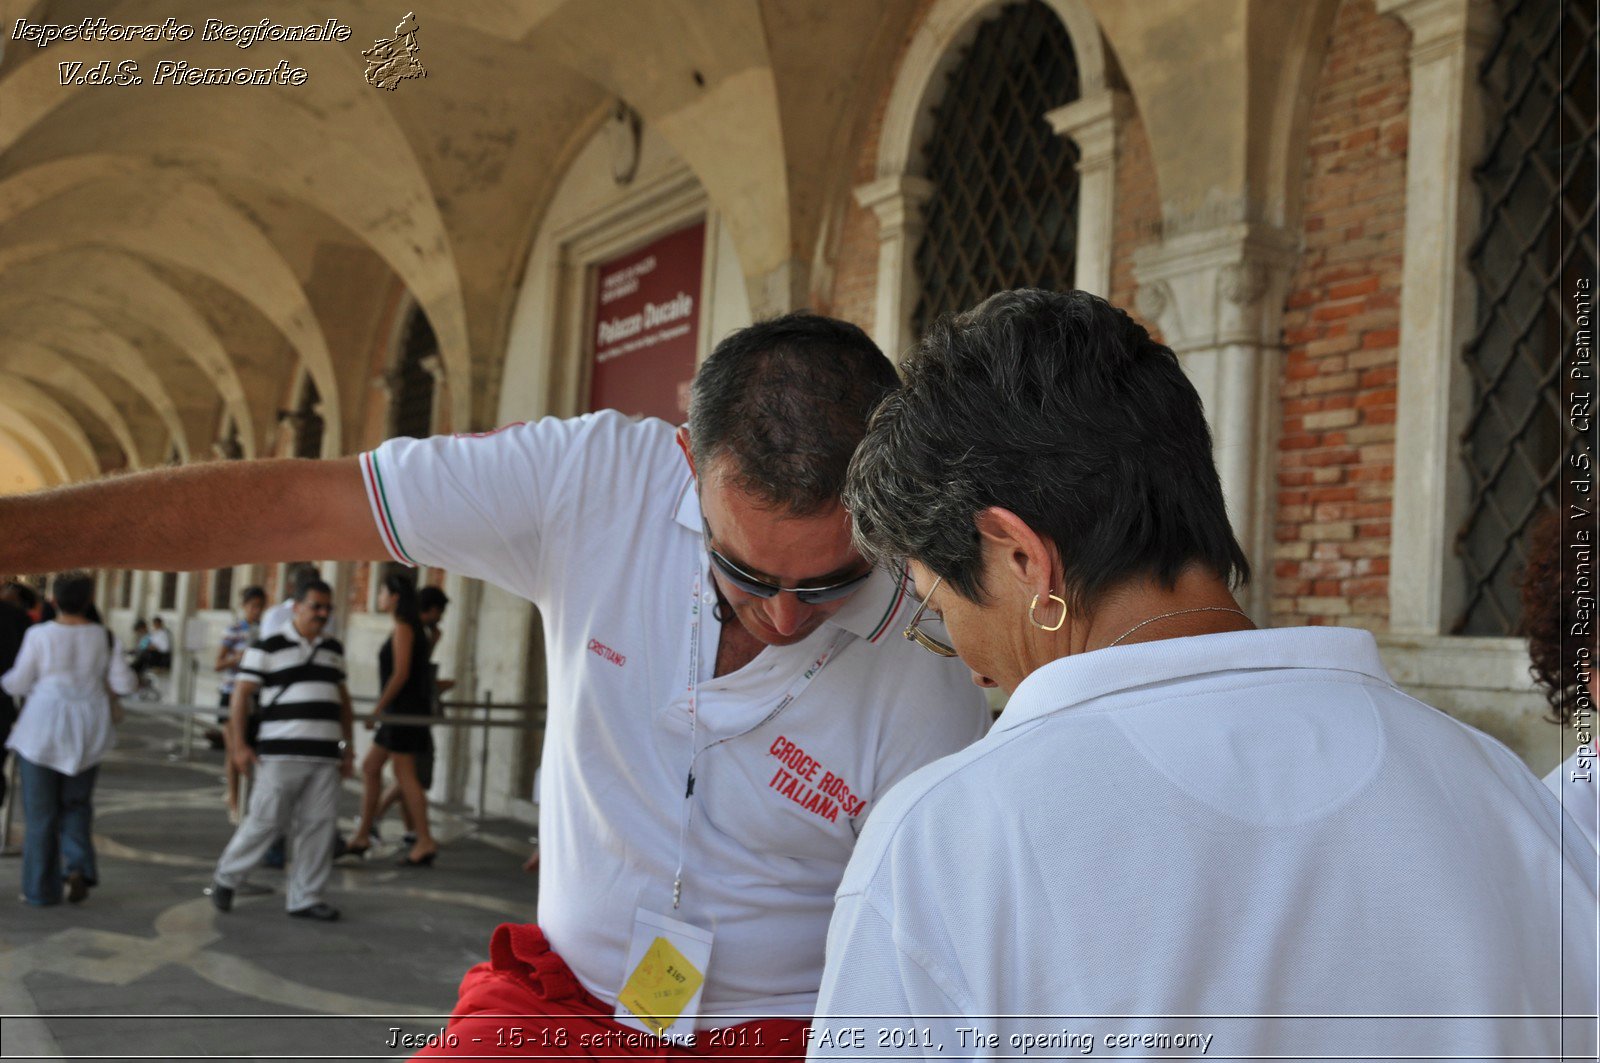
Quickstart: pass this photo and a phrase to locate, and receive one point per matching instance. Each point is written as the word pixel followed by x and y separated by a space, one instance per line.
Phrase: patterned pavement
pixel 147 969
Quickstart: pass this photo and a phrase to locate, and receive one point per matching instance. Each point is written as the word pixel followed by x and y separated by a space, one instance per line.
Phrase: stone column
pixel 1094 124
pixel 1437 307
pixel 183 660
pixel 433 365
pixel 897 202
pixel 1217 297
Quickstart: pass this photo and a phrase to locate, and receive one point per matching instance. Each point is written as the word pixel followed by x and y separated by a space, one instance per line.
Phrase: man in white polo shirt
pixel 729 695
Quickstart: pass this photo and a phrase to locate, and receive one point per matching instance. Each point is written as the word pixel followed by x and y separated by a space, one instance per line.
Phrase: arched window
pixel 1004 207
pixel 411 391
pixel 1534 254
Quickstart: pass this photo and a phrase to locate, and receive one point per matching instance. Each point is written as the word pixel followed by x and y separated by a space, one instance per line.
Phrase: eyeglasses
pixel 915 634
pixel 760 588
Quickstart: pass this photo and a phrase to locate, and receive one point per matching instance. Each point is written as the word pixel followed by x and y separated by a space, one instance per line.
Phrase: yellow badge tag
pixel 661 986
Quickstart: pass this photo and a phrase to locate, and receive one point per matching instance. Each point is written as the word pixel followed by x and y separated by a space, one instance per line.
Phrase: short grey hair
pixel 1059 407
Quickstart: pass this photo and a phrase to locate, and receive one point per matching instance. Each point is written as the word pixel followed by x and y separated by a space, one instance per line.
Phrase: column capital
pixel 897 200
pixel 1094 123
pixel 1217 286
pixel 1441 27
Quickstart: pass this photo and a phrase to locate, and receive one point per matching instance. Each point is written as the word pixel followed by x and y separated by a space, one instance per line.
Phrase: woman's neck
pixel 1198 603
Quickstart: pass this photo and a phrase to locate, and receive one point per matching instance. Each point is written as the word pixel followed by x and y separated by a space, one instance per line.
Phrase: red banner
pixel 647 327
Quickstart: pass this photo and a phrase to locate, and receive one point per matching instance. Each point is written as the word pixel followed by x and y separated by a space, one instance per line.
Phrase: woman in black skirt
pixel 404 674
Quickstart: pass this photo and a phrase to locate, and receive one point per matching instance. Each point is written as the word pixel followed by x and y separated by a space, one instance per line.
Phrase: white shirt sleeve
pixel 877 1000
pixel 24 671
pixel 119 676
pixel 498 506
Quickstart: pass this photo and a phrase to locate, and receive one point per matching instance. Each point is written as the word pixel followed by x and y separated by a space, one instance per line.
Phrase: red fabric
pixel 526 1003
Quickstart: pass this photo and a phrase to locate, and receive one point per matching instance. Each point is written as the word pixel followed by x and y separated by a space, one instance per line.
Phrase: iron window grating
pixel 1004 207
pixel 1536 239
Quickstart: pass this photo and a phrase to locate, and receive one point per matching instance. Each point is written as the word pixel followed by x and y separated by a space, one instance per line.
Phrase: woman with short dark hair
pixel 68 669
pixel 1175 814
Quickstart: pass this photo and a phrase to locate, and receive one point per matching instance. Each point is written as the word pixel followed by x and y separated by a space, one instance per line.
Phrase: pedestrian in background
pixel 301 751
pixel 14 621
pixel 235 640
pixel 1562 653
pixel 69 670
pixel 431 603
pixel 407 691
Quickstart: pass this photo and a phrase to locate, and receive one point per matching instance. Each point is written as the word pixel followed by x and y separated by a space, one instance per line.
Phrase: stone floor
pixel 147 969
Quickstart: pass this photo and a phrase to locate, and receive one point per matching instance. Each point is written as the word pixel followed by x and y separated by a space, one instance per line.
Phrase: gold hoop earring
pixel 1047 627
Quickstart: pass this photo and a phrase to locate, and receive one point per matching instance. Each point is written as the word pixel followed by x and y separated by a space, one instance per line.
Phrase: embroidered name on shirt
pixel 606 653
pixel 797 780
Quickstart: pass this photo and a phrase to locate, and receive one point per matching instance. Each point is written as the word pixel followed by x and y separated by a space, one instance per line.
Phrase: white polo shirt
pixel 1573 782
pixel 596 520
pixel 1237 825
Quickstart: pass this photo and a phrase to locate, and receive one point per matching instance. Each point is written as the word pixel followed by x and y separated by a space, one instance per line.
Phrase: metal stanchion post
pixel 483 754
pixel 188 736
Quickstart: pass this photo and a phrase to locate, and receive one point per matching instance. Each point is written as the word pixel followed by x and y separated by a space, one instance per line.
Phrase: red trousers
pixel 526 1003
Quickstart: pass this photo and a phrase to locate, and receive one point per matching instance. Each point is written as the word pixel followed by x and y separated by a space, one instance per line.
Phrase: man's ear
pixel 683 444
pixel 1013 551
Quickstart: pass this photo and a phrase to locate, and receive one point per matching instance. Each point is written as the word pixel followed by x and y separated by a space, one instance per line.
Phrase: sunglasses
pixel 760 588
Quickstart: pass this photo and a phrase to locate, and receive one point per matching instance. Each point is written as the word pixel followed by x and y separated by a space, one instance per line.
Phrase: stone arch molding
pixel 897 194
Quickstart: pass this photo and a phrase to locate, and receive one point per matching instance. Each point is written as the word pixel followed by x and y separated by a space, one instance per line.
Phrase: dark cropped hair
pixel 304 587
pixel 26 596
pixel 787 400
pixel 73 593
pixel 298 575
pixel 1059 407
pixel 405 594
pixel 431 597
pixel 1561 648
pixel 252 593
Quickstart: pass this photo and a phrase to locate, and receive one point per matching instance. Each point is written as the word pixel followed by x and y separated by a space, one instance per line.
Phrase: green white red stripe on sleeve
pixel 382 514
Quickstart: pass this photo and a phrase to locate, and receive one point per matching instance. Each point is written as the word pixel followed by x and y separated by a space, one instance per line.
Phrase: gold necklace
pixel 1178 612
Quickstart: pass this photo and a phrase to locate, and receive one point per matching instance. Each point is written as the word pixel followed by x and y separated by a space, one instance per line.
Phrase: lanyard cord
pixel 794 691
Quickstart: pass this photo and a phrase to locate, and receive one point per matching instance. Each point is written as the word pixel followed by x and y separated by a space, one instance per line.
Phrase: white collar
pixel 292 633
pixel 1071 681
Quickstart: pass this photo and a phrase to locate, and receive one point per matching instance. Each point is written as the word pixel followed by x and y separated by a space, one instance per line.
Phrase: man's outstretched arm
pixel 195 517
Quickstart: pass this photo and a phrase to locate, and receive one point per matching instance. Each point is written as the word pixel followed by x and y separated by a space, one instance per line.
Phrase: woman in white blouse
pixel 67 670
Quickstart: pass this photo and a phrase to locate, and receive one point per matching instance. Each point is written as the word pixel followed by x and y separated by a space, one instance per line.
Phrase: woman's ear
pixel 1015 552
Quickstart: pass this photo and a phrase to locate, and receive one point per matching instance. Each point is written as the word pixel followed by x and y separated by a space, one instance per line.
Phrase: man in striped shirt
pixel 304 745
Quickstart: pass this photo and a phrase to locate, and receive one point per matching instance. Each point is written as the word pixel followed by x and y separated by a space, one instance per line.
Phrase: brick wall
pixel 360 588
pixel 1341 331
pixel 1138 214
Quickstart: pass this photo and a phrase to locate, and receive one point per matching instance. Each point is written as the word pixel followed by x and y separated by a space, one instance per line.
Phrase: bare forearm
pixel 196 517
pixel 239 712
